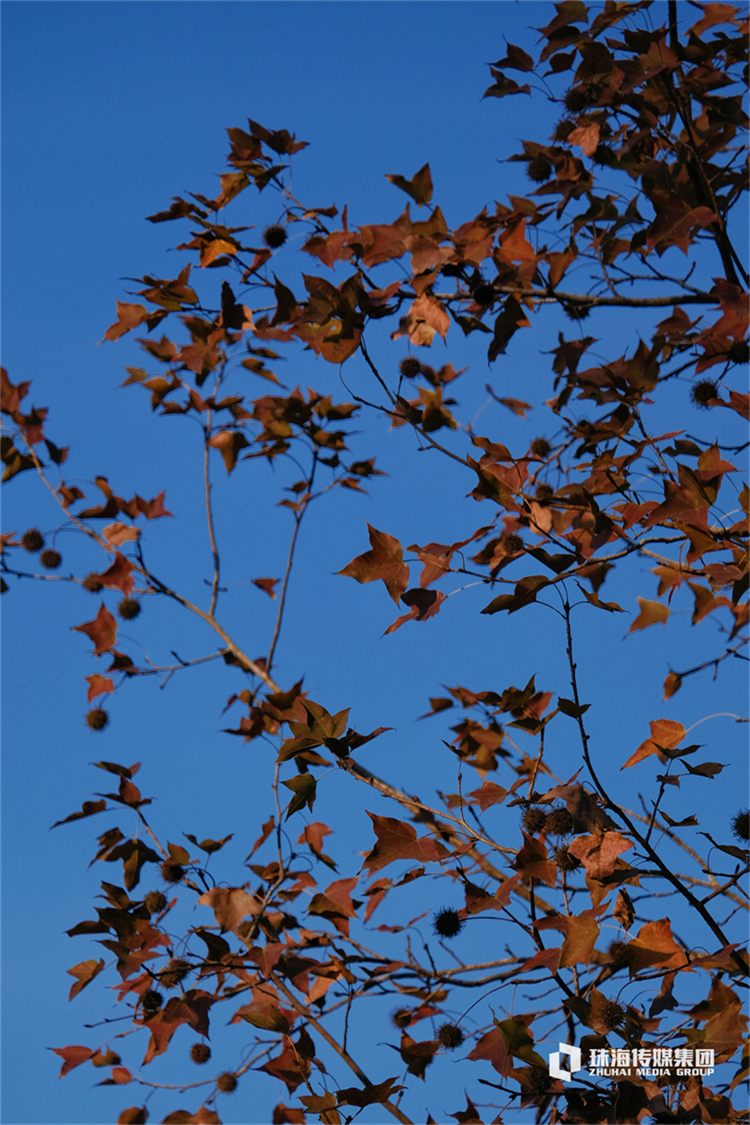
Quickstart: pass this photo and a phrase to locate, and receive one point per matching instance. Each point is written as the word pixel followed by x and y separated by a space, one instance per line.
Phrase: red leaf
pixel 267 585
pixel 398 840
pixel 118 576
pixel 102 631
pixel 72 1057
pixel 98 685
pixel 152 509
pixel 384 561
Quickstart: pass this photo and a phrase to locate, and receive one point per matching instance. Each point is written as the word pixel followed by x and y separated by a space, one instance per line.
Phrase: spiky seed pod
pixel 50 559
pixel 613 1015
pixel 446 923
pixel 155 901
pixel 566 861
pixel 563 129
pixel 544 492
pixel 604 154
pixel 512 543
pixel 97 718
pixel 539 1080
pixel 92 583
pixel 576 99
pixel 539 168
pixel 741 825
pixel 401 1017
pixel 151 1001
pixel 484 294
pixel 534 820
pixel 559 823
pixel 226 1082
pixel 703 392
pixel 175 973
pixel 577 310
pixel 172 872
pixel 540 447
pixel 274 236
pixel 410 367
pixel 450 1036
pixel 740 351
pixel 32 540
pixel 129 608
pixel 200 1053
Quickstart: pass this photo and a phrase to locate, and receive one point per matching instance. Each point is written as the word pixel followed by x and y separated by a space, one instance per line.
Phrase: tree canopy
pixel 494 893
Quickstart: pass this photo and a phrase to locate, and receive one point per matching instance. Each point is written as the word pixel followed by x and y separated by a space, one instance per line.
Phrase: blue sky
pixel 110 109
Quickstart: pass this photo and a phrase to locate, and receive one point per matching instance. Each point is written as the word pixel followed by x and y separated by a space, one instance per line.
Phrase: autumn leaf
pixel 84 972
pixel 118 576
pixel 102 631
pixel 419 187
pixel 72 1057
pixel 128 317
pixel 398 840
pixel 654 945
pixel 424 604
pixel 665 734
pixel 118 533
pixel 652 613
pixel 598 854
pixel 98 685
pixel 229 443
pixel 230 905
pixel 384 562
pixel 510 1038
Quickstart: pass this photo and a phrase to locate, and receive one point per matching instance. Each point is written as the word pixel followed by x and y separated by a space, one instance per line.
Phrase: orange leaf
pixel 664 732
pixel 419 187
pixel 598 854
pixel 102 631
pixel 98 685
pixel 84 972
pixel 118 533
pixel 230 905
pixel 128 317
pixel 118 576
pixel 384 561
pixel 654 945
pixel 652 613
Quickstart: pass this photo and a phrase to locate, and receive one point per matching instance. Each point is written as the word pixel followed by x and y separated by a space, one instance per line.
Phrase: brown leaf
pixel 118 576
pixel 652 613
pixel 598 854
pixel 424 604
pixel 654 945
pixel 665 733
pixel 398 840
pixel 230 905
pixel 229 443
pixel 72 1057
pixel 419 187
pixel 98 685
pixel 84 972
pixel 489 794
pixel 118 533
pixel 384 561
pixel 102 631
pixel 267 585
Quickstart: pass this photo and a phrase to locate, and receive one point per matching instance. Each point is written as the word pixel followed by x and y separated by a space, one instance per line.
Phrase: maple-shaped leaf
pixel 230 905
pixel 424 604
pixel 666 734
pixel 419 187
pixel 72 1057
pixel 385 561
pixel 371 1095
pixel 675 222
pixel 303 786
pixel 134 1115
pixel 267 585
pixel 102 631
pixel 652 613
pixel 509 1038
pixel 118 533
pixel 119 575
pixel 425 317
pixel 398 840
pixel 229 443
pixel 336 905
pixel 292 1066
pixel 532 861
pixel 654 945
pixel 128 317
pixel 598 854
pixel 726 1024
pixel 581 932
pixel 84 972
pixel 89 808
pixel 152 509
pixel 417 1055
pixel 10 396
pixel 489 794
pixel 544 959
pixel 98 685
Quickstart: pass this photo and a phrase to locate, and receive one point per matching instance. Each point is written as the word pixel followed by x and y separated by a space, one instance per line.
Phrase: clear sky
pixel 109 110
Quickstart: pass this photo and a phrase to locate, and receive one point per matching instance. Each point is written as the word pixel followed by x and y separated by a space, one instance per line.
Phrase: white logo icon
pixel 573 1053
